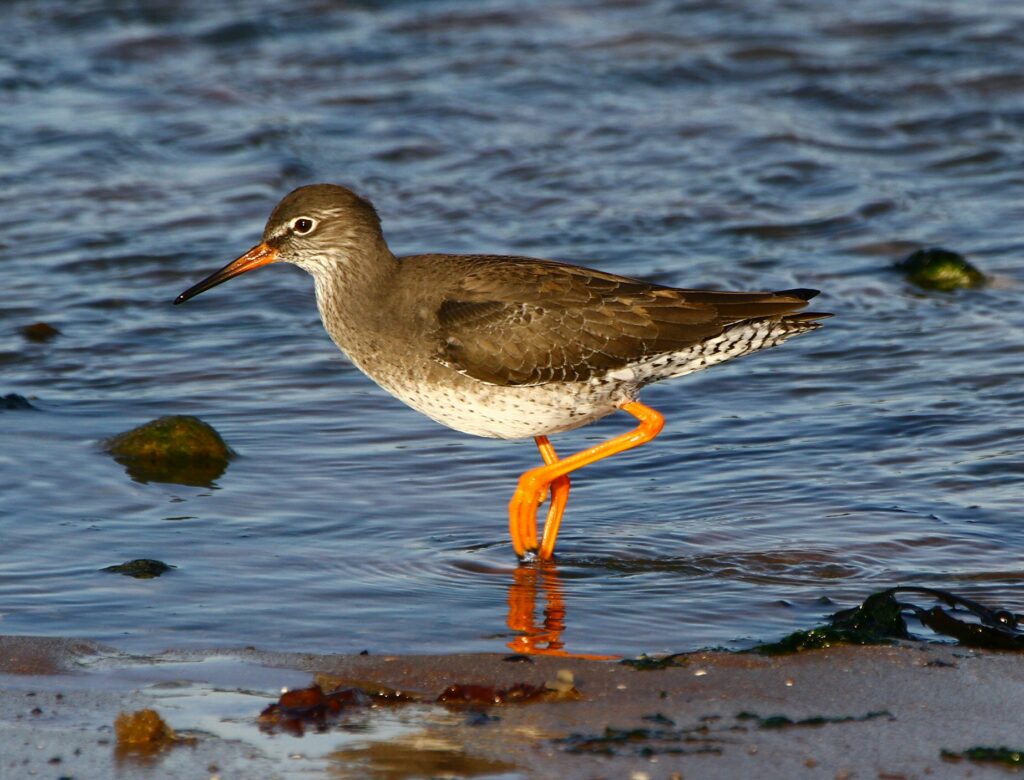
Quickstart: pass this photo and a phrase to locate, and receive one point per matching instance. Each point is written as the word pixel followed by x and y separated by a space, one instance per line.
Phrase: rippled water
pixel 722 144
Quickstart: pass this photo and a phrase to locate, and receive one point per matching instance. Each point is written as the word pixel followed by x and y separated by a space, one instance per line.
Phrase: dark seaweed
pixel 646 663
pixel 782 722
pixel 641 742
pixel 991 755
pixel 880 620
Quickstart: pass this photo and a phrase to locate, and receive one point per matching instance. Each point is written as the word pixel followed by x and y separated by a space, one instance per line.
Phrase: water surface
pixel 726 144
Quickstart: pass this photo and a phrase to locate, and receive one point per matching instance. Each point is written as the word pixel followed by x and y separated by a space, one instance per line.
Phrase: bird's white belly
pixel 508 412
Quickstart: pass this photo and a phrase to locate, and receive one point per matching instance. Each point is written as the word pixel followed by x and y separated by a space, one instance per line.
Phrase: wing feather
pixel 513 321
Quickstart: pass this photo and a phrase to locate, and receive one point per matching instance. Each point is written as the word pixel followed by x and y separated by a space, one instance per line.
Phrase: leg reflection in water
pixel 522 610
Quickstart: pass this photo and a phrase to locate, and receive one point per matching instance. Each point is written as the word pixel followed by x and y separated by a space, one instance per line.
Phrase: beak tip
pixel 261 254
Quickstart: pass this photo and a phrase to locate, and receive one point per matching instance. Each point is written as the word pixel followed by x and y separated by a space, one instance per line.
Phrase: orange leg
pixel 559 496
pixel 535 483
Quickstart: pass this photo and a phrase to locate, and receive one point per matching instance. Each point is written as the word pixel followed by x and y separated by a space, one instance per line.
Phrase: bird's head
pixel 317 227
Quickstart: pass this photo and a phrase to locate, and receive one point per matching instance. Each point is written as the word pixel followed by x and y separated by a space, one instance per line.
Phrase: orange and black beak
pixel 261 254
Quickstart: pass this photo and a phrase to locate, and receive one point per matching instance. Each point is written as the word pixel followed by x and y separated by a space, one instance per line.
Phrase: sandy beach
pixel 845 712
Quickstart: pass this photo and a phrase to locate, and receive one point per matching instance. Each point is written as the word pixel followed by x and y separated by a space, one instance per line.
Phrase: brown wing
pixel 515 321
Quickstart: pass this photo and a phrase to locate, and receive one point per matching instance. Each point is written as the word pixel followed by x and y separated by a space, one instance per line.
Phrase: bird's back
pixel 513 321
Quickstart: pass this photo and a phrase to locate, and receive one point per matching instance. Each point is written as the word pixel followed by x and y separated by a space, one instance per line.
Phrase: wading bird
pixel 509 347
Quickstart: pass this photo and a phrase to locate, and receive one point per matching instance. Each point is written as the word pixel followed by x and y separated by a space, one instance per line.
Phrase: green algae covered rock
pixel 940 269
pixel 180 449
pixel 140 568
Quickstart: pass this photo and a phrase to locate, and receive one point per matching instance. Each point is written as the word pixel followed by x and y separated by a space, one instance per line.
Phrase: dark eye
pixel 303 225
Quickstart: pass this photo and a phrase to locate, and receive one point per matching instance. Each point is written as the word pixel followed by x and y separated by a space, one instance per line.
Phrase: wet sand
pixel 890 712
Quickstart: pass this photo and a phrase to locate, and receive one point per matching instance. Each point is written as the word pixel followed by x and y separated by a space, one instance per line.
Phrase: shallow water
pixel 728 145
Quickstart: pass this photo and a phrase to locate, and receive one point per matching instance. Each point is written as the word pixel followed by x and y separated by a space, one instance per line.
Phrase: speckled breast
pixel 498 411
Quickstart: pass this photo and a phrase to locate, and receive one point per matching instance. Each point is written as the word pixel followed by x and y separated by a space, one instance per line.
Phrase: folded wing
pixel 539 322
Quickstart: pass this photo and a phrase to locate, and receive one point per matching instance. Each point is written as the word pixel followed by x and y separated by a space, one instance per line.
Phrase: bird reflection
pixel 545 639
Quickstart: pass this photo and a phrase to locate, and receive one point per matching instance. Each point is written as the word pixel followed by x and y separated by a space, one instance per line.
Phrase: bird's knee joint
pixel 531 482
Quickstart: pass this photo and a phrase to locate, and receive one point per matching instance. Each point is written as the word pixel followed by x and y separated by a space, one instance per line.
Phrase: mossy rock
pixel 39 331
pixel 140 568
pixel 940 269
pixel 179 449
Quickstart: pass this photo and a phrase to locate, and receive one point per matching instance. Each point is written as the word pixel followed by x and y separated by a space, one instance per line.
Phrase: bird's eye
pixel 303 225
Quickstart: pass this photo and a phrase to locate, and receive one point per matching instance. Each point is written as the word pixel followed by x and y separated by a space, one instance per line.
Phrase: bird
pixel 509 347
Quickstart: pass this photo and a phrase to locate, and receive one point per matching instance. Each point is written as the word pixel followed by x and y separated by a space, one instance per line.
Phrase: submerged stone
pixel 39 331
pixel 140 568
pixel 13 402
pixel 179 449
pixel 940 269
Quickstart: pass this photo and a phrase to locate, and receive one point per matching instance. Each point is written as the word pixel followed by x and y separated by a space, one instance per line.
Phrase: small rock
pixel 12 402
pixel 39 331
pixel 144 731
pixel 180 449
pixel 940 269
pixel 140 568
